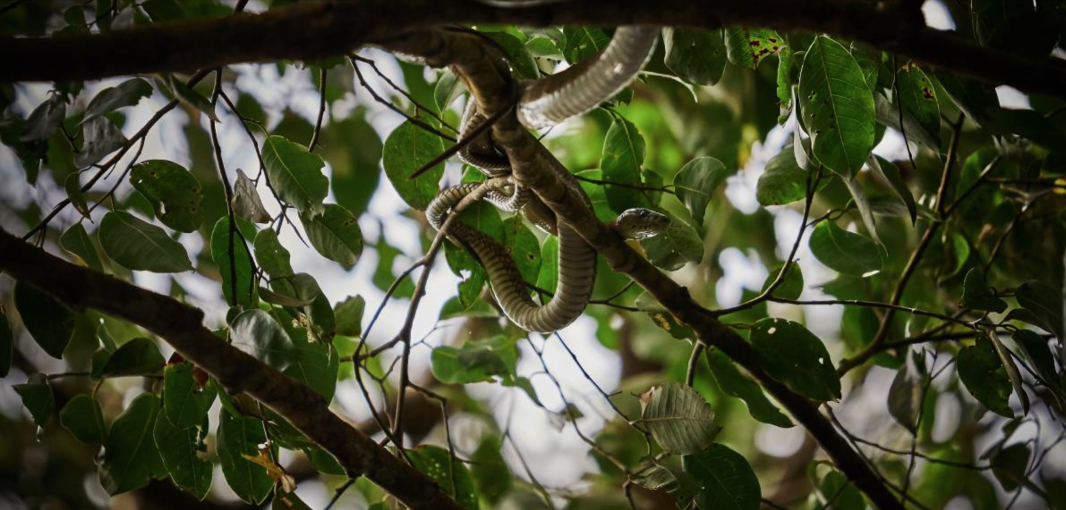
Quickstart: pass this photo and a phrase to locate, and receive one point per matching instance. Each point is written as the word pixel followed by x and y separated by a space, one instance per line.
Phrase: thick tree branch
pixel 181 326
pixel 335 27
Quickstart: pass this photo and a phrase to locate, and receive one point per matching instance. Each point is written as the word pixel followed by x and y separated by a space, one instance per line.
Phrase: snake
pixel 542 104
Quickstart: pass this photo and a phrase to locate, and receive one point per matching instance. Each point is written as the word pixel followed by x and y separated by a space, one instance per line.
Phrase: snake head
pixel 640 223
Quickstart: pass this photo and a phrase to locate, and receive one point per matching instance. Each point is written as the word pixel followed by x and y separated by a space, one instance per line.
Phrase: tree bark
pixel 312 30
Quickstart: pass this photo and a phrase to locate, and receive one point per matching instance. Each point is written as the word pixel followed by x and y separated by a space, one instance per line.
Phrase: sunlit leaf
pixel 407 148
pixel 794 356
pixel 621 162
pixel 696 182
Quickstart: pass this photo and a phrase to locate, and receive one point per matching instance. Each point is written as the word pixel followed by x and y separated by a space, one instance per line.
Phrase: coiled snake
pixel 544 103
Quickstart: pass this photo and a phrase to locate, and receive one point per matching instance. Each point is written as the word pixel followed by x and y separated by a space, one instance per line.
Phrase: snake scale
pixel 544 103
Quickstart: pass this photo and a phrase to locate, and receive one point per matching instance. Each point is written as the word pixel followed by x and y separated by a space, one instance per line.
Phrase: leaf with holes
pixel 139 356
pixel 784 181
pixel 448 473
pixel 139 245
pixel 184 403
pixel 84 419
pixel 794 356
pixel 726 480
pixel 1044 305
pixel 837 107
pixel 748 47
pixel 296 174
pixel 678 418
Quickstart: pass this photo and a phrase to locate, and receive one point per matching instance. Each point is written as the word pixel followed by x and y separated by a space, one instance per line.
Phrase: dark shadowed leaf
pixel 184 403
pixel 843 251
pixel 697 56
pixel 191 97
pixel 975 294
pixel 183 455
pixel 45 119
pixel 678 418
pixel 795 357
pixel 696 183
pixel 407 148
pixel 139 356
pixel 230 253
pixel 726 480
pixel 1010 466
pixel 139 245
pixel 678 484
pixel 905 394
pixel 917 95
pixel 7 344
pixel 257 333
pixel 127 93
pixel 981 370
pixel 838 493
pixel 837 107
pixel 296 174
pixel 522 64
pixel 888 173
pixel 335 234
pixel 48 321
pixel 791 283
pixel 37 398
pixel 83 417
pixel 738 385
pixel 1037 352
pixel 1011 368
pixel 131 458
pixel 1045 305
pixel 489 470
pixel 77 241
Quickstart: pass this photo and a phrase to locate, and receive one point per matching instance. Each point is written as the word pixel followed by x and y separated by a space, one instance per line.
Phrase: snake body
pixel 546 102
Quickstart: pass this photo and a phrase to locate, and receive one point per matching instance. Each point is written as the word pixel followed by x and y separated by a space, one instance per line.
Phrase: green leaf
pixel 678 418
pixel 783 181
pixel 349 314
pixel 1012 369
pixel 127 93
pixel 837 107
pixel 234 264
pixel 844 252
pixel 621 162
pixel 184 404
pixel 37 398
pixel 139 356
pixel 407 148
pixel 748 47
pixel 696 56
pixel 696 183
pixel 973 97
pixel 192 98
pixel 450 475
pixel 1010 466
pixel 181 449
pixel 72 185
pixel 314 364
pixel 7 344
pixel 791 285
pixel 131 458
pixel 44 119
pixel 548 277
pixel 294 291
pixel 738 385
pixel 886 172
pixel 84 419
pixel 77 241
pixel 917 95
pixel 174 192
pixel 490 472
pixel 975 294
pixel 475 361
pixel 324 462
pixel 523 67
pixel 1045 305
pixel 271 255
pixel 583 42
pixel 246 201
pixel 905 395
pixel 794 356
pixel 237 436
pixel 523 246
pixel 675 247
pixel 981 370
pixel 335 234
pixel 597 194
pixel 257 333
pixel 838 493
pixel 295 174
pixel 99 138
pixel 48 321
pixel 447 90
pixel 726 479
pixel 138 245
pixel 785 61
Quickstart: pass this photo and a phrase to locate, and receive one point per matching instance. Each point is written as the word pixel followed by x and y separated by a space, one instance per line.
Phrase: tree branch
pixel 181 326
pixel 321 29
